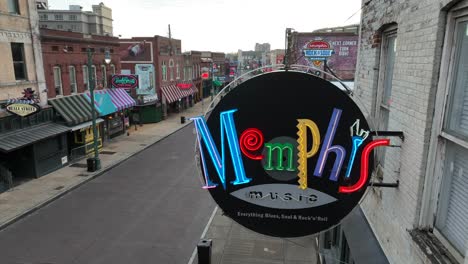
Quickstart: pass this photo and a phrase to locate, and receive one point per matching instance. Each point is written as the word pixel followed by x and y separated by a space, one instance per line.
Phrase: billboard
pixel 136 52
pixel 339 52
pixel 286 171
pixel 146 77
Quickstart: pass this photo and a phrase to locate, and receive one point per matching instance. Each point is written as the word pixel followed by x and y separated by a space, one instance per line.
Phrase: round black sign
pixel 286 154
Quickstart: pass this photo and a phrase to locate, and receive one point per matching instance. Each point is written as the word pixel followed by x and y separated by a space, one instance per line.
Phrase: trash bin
pixel 182 119
pixel 91 164
pixel 204 251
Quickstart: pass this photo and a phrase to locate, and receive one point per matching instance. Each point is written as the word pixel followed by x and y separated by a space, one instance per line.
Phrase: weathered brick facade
pixel 420 28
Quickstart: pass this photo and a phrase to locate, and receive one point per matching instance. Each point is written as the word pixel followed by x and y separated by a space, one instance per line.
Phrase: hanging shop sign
pixel 184 86
pixel 22 109
pixel 129 81
pixel 286 154
pixel 24 106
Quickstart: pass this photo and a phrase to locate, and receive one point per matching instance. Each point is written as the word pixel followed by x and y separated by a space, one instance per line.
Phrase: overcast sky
pixel 221 25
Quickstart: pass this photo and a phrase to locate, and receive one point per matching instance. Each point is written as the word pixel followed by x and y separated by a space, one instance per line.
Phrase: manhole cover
pixel 79 165
pixel 108 152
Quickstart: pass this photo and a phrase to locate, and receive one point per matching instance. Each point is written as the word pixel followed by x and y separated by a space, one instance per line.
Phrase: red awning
pixel 174 93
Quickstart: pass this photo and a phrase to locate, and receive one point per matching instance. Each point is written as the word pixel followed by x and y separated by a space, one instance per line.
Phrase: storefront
pixel 75 112
pixel 178 97
pixel 31 146
pixel 112 105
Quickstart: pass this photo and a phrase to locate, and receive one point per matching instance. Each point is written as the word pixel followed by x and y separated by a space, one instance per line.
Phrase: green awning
pixel 22 137
pixel 74 109
pixel 217 83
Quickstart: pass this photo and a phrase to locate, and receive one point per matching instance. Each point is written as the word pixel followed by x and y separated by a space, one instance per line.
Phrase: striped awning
pixel 102 102
pixel 13 140
pixel 74 109
pixel 174 93
pixel 120 98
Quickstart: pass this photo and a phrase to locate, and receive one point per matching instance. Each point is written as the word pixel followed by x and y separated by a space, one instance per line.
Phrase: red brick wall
pixel 76 56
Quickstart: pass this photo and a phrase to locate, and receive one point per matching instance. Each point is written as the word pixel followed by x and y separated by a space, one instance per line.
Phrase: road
pixel 148 209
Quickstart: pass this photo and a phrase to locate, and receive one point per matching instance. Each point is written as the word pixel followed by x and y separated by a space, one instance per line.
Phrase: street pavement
pixel 146 205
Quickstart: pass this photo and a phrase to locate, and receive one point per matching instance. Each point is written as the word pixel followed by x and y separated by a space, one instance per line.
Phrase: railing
pixel 84 151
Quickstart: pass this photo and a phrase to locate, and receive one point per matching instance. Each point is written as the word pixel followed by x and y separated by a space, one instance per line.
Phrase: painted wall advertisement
pixel 286 171
pixel 136 52
pixel 339 52
pixel 146 77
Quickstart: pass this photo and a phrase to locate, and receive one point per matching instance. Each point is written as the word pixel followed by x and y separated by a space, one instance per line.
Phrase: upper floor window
pixel 13 7
pixel 72 17
pixel 112 66
pixel 72 75
pixel 58 17
pixel 59 26
pixel 43 17
pixel 452 211
pixel 164 71
pixel 104 76
pixel 177 72
pixel 171 69
pixel 58 80
pixel 19 64
pixel 85 77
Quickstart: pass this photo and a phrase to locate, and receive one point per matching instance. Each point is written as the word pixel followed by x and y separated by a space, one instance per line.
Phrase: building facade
pixel 412 76
pixel 20 51
pixel 66 61
pixel 98 21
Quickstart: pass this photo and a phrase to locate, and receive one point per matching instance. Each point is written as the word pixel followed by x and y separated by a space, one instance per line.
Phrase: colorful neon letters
pixel 251 142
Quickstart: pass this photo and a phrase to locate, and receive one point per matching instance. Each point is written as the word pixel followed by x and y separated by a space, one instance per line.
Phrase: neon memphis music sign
pixel 299 158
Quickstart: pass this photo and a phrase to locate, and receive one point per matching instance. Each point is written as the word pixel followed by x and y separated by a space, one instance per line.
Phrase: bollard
pixel 204 251
pixel 182 119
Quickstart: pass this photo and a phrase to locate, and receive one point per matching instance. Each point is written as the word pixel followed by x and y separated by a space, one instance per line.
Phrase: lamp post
pixel 94 163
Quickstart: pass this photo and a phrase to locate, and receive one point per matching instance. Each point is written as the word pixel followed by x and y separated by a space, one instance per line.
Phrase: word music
pixel 251 142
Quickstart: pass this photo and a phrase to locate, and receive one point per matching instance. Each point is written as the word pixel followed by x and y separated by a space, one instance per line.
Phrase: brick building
pixel 412 76
pixel 65 61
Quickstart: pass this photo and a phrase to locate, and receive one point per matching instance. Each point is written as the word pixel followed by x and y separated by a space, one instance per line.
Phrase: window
pixel 58 17
pixel 19 65
pixel 72 17
pixel 94 76
pixel 13 7
pixel 43 26
pixel 452 212
pixel 164 71
pixel 112 66
pixel 72 74
pixel 177 72
pixel 387 61
pixel 104 76
pixel 43 17
pixel 59 26
pixel 171 69
pixel 55 48
pixel 185 73
pixel 74 27
pixel 58 80
pixel 85 77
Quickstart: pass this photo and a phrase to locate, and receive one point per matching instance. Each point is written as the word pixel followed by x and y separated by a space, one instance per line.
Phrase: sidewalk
pixel 232 243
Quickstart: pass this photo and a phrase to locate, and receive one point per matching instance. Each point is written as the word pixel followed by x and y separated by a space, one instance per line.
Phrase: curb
pixel 89 178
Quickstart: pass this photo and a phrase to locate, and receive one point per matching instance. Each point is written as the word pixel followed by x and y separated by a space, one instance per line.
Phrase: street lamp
pixel 94 163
